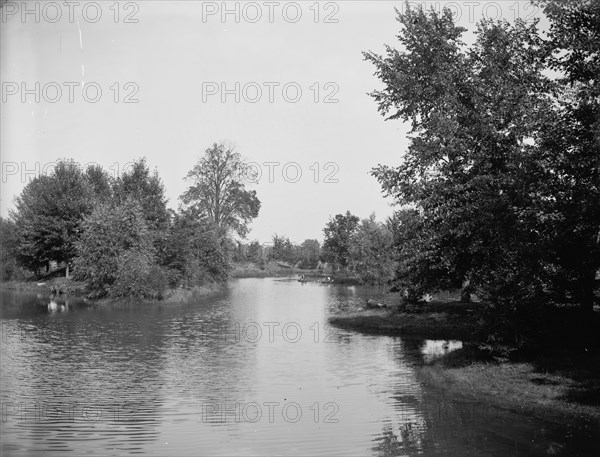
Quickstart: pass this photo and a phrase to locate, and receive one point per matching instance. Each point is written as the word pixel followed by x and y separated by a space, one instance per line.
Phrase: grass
pixel 556 377
pixel 72 288
pixel 43 286
pixel 450 320
pixel 523 386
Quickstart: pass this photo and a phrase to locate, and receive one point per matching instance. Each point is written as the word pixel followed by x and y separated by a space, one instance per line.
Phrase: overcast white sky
pixel 173 57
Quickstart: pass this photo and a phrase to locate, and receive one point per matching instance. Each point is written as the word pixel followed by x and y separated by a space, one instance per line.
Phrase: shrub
pixel 138 277
pixel 113 236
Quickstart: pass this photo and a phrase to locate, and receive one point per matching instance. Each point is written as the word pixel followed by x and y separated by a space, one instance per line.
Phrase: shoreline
pixel 76 290
pixel 516 386
pixel 561 387
pixel 437 325
pixel 274 269
pixel 558 387
pixel 269 270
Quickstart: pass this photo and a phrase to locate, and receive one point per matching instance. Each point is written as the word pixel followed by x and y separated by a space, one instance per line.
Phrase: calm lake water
pixel 253 371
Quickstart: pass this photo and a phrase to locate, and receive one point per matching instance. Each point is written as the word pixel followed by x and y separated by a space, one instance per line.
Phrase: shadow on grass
pixel 567 348
pixel 583 370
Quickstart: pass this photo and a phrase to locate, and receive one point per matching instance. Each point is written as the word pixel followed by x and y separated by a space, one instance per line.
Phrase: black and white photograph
pixel 300 228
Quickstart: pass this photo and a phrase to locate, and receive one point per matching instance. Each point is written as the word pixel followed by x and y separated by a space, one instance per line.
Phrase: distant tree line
pixel 305 255
pixel 361 249
pixel 117 234
pixel 499 190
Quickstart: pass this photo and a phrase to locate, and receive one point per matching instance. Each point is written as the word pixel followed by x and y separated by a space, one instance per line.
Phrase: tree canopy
pixel 217 190
pixel 371 257
pixel 49 213
pixel 117 233
pixel 112 234
pixel 338 234
pixel 502 166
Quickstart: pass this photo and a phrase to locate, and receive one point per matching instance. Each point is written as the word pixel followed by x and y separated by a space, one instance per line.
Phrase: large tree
pixel 338 236
pixel 145 187
pixel 570 146
pixel 101 183
pixel 139 184
pixel 479 168
pixel 217 190
pixel 310 250
pixel 371 258
pixel 193 251
pixel 283 249
pixel 8 249
pixel 49 213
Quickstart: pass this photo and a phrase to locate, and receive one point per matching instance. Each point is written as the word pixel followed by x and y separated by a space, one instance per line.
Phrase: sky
pixel 283 82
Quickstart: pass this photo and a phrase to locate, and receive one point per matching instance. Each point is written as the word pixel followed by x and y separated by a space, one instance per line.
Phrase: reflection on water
pixel 254 371
pixel 437 348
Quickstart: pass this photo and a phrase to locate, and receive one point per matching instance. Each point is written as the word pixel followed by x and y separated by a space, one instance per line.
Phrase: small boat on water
pixel 323 280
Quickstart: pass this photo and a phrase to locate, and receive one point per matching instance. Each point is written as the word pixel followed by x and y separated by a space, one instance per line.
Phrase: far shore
pixel 70 288
pixel 58 285
pixel 273 269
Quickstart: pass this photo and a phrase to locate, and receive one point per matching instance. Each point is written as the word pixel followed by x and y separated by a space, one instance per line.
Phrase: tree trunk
pixel 588 285
pixel 465 293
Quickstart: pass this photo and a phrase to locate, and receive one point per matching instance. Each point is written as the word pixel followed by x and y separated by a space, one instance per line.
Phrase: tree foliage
pixel 570 146
pixel 139 184
pixel 254 253
pixel 113 237
pixel 118 233
pixel 371 258
pixel 49 213
pixel 338 235
pixel 137 275
pixel 195 253
pixel 501 167
pixel 310 252
pixel 8 250
pixel 217 190
pixel 284 250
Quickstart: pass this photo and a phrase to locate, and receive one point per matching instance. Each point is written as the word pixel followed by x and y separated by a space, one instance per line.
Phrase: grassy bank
pixel 76 289
pixel 556 378
pixel 564 388
pixel 447 321
pixel 45 286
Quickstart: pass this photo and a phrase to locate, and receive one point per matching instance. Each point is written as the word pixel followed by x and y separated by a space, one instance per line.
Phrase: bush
pixel 112 237
pixel 138 277
pixel 371 256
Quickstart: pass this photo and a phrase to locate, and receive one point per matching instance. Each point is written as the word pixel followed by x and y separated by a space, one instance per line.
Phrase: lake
pixel 253 371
